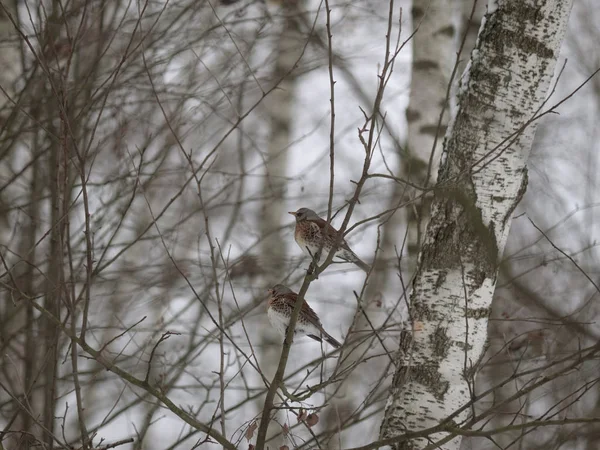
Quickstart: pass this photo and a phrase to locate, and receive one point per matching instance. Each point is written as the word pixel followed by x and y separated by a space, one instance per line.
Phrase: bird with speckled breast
pixel 315 235
pixel 280 306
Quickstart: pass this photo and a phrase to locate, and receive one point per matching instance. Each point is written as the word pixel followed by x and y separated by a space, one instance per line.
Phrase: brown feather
pixel 305 310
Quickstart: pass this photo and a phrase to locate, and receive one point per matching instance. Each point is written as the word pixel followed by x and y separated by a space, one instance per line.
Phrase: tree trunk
pixel 481 179
pixel 279 109
pixel 274 215
pixel 433 55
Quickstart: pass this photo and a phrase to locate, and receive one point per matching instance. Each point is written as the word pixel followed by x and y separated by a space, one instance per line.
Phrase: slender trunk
pixel 433 50
pixel 279 109
pixel 29 250
pixel 483 175
pixel 273 213
pixel 49 332
pixel 433 56
pixel 58 177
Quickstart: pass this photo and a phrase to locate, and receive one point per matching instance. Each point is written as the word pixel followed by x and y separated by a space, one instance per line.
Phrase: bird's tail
pixel 363 265
pixel 327 337
pixel 350 256
pixel 331 340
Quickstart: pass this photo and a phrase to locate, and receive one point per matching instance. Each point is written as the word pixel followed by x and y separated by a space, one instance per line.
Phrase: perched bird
pixel 314 234
pixel 280 307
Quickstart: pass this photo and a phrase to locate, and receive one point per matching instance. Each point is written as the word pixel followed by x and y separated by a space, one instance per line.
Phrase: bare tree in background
pixel 290 45
pixel 434 53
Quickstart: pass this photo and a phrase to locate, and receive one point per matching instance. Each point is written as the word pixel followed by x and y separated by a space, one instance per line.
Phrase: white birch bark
pixel 279 109
pixel 509 76
pixel 433 55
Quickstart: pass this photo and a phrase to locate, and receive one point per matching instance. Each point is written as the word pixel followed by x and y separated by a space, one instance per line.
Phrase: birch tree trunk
pixel 433 56
pixel 279 109
pixel 481 179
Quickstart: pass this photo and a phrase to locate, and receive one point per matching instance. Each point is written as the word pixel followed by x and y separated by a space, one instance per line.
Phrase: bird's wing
pixel 325 227
pixel 311 315
pixel 329 231
pixel 315 227
pixel 306 310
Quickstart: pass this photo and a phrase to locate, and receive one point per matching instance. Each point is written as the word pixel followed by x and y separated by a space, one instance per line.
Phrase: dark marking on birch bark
pixel 421 311
pixel 440 342
pixel 463 345
pixel 405 345
pixel 427 375
pixel 433 130
pixel 417 13
pixel 412 115
pixel 430 377
pixel 446 31
pixel 441 278
pixel 478 313
pixel 425 64
pixel 460 233
pixel 497 34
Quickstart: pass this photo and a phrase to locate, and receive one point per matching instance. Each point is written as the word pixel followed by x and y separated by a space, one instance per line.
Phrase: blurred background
pixel 150 152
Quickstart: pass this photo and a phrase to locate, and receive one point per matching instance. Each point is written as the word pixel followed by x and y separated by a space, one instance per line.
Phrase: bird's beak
pixel 292 213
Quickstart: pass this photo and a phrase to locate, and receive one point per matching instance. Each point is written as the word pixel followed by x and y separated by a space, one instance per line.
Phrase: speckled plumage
pixel 279 310
pixel 314 234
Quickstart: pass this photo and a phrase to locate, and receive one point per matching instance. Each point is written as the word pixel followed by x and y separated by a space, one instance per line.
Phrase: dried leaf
pixel 312 420
pixel 286 429
pixel 250 431
pixel 284 447
pixel 250 446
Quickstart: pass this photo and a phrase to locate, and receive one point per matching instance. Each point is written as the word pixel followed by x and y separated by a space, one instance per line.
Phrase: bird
pixel 280 306
pixel 314 234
